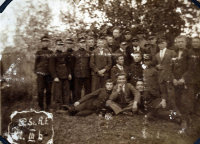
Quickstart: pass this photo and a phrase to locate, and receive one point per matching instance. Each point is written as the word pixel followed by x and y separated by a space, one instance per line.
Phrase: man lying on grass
pixel 92 102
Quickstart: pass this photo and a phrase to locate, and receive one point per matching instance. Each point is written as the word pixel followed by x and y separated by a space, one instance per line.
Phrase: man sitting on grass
pixel 124 97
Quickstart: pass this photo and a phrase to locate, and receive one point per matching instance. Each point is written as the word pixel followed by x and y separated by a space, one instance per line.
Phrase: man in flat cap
pixel 152 39
pixel 61 72
pixel 118 68
pixel 163 62
pixel 122 51
pixel 134 49
pixel 81 69
pixel 42 70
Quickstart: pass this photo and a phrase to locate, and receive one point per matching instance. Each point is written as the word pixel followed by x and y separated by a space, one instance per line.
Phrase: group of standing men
pixel 115 71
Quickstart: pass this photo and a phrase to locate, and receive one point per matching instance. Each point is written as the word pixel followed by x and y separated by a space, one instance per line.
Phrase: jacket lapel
pixel 166 54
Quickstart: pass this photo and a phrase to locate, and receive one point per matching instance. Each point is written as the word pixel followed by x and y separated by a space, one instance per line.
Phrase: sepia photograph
pixel 100 71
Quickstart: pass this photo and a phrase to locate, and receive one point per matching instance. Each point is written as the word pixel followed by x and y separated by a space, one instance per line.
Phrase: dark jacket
pixel 99 97
pixel 99 62
pixel 165 73
pixel 180 66
pixel 135 72
pixel 115 71
pixel 150 77
pixel 193 75
pixel 42 61
pixel 126 96
pixel 60 65
pixel 81 63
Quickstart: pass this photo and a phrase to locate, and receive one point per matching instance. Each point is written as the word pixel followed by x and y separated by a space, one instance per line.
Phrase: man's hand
pixel 181 81
pixel 119 88
pixel 175 82
pixel 56 79
pixel 70 77
pixel 163 103
pixel 134 107
pixel 100 73
pixel 159 67
pixel 76 103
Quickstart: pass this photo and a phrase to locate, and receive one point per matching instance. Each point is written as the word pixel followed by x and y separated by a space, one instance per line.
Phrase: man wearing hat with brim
pixel 81 69
pixel 61 73
pixel 42 70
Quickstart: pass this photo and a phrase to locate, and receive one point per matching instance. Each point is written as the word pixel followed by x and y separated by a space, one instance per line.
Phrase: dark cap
pixel 45 38
pixel 69 40
pixel 135 38
pixel 81 40
pixel 59 42
pixel 147 56
pixel 161 39
pixel 127 32
pixel 147 44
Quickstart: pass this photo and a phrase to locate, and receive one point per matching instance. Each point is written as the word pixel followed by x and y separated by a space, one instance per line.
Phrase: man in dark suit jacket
pixel 92 102
pixel 122 51
pixel 61 72
pixel 124 96
pixel 81 69
pixel 100 63
pixel 42 69
pixel 163 62
pixel 118 68
pixel 69 42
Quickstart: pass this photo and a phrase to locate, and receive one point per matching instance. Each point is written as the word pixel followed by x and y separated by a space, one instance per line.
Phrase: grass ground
pixel 120 129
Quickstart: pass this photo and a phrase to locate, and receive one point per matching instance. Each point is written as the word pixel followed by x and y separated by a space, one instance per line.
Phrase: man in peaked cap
pixel 69 42
pixel 42 66
pixel 61 73
pixel 81 69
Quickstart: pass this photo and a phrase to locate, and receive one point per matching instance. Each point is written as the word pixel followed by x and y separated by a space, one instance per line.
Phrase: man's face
pixel 140 86
pixel 109 86
pixel 152 40
pixel 120 60
pixel 180 42
pixel 196 43
pixel 116 33
pixel 137 57
pixel 90 43
pixel 121 79
pixel 135 42
pixel 162 45
pixel 82 45
pixel 69 45
pixel 110 40
pixel 60 47
pixel 128 36
pixel 45 43
pixel 100 43
pixel 123 46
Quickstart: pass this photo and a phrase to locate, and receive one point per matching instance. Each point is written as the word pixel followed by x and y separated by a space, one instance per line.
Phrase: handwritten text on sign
pixel 31 127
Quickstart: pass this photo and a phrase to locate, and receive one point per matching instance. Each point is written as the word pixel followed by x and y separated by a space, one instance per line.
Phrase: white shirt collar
pixel 120 67
pixel 122 50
